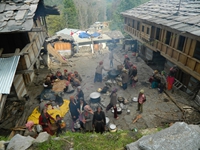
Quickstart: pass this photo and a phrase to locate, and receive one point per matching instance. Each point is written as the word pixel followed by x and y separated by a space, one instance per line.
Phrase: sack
pixel 135 79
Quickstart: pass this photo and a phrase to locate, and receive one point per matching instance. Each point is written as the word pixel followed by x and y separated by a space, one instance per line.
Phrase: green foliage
pixel 89 141
pixel 3 138
pixel 70 14
pixel 117 19
pixel 54 24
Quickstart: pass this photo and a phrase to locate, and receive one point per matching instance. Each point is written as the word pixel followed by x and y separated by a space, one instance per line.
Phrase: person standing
pixel 87 118
pixel 113 102
pixel 111 58
pixel 98 73
pixel 163 82
pixel 79 93
pixel 73 107
pixel 124 79
pixel 99 120
pixel 141 100
pixel 134 76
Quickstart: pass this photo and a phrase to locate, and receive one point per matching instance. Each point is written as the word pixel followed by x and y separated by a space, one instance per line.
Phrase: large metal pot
pixel 120 99
pixel 112 128
pixel 95 97
pixel 113 73
pixel 119 110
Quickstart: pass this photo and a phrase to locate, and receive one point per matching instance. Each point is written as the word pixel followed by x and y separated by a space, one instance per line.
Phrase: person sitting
pixel 30 129
pixel 68 88
pixel 59 75
pixel 52 77
pixel 58 100
pixel 77 76
pixel 74 81
pixel 60 124
pixel 44 121
pixel 48 83
pixel 155 79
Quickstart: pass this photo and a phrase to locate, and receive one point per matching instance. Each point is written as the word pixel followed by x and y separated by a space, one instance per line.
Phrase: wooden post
pixel 2 103
pixel 1 51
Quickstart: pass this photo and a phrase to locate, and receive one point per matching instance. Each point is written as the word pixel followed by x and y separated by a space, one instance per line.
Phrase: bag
pixel 135 79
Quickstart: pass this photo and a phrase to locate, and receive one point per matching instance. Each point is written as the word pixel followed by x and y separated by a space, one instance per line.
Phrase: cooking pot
pixel 95 97
pixel 113 73
pixel 119 110
pixel 128 112
pixel 135 99
pixel 121 99
pixel 107 120
pixel 112 128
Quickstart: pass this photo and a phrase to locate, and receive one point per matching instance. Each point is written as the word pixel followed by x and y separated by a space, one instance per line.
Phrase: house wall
pixel 19 85
pixel 177 47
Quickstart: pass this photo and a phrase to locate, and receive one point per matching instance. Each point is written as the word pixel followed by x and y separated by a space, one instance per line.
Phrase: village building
pixel 23 31
pixel 168 34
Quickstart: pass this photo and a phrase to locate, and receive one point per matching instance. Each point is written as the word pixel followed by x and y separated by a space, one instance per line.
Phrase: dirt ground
pixel 159 109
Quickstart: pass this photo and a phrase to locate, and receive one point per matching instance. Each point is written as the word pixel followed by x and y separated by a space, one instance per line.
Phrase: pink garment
pixel 29 125
pixel 141 99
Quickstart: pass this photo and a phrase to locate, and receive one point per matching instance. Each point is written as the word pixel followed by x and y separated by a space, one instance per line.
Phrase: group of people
pixel 160 81
pixel 84 118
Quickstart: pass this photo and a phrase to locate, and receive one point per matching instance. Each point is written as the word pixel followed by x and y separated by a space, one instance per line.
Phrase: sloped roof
pixel 67 31
pixel 7 72
pixel 165 12
pixel 115 34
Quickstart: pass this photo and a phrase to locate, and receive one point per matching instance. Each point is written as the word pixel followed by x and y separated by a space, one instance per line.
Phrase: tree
pixel 70 14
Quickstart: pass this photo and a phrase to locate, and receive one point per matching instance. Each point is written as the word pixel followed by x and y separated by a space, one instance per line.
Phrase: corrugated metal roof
pixel 8 68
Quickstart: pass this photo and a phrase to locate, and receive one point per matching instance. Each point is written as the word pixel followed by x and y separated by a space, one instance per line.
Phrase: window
pixel 147 30
pixel 138 26
pixel 142 28
pixel 157 33
pixel 167 39
pixel 181 42
pixel 197 51
pixel 133 23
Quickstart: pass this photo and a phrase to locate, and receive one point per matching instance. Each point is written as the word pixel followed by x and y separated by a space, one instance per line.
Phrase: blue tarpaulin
pixel 86 35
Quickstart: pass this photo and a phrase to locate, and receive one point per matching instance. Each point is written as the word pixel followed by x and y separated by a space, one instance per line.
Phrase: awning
pixel 8 68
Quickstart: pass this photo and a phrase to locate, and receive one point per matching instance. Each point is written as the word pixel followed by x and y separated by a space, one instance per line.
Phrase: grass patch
pixel 2 138
pixel 90 141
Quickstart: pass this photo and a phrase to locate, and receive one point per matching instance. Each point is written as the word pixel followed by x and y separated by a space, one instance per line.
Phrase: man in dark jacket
pixel 124 79
pixel 73 107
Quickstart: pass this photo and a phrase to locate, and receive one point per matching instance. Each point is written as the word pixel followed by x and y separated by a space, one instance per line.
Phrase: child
pixel 61 125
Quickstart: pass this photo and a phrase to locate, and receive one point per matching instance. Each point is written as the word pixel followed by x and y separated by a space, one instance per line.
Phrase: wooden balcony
pixel 184 61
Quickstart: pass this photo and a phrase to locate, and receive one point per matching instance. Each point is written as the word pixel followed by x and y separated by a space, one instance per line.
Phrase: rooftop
pixel 166 13
pixel 17 15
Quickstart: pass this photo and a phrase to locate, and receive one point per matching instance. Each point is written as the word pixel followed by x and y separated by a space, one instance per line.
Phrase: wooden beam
pixel 53 52
pixel 1 51
pixel 17 51
pixel 24 71
pixel 2 103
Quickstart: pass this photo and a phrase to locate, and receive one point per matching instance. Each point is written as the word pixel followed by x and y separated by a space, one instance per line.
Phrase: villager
pixel 125 79
pixel 87 118
pixel 173 70
pixel 98 73
pixel 126 62
pixel 170 82
pixel 30 129
pixel 69 76
pixel 163 82
pixel 59 75
pixel 59 99
pixel 111 58
pixel 141 100
pixel 99 120
pixel 73 107
pixel 60 124
pixel 79 93
pixel 69 88
pixel 113 102
pixel 134 78
pixel 44 121
pixel 77 76
pixel 80 106
pixel 48 83
pixel 52 77
pixel 74 81
pixel 155 79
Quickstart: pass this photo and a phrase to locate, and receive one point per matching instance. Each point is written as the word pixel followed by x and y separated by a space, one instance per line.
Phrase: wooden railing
pixel 184 61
